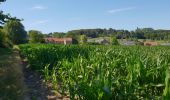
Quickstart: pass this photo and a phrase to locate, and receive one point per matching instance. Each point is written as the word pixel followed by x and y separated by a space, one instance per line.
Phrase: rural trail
pixel 19 82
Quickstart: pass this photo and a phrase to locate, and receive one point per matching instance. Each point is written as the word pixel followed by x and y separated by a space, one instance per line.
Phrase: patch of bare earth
pixel 36 88
pixel 19 82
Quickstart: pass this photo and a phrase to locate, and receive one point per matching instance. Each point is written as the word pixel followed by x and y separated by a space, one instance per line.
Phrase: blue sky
pixel 64 15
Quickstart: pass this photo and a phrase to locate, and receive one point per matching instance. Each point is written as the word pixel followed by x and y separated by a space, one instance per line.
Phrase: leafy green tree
pixel 35 36
pixel 58 35
pixel 5 17
pixel 74 36
pixel 83 39
pixel 2 19
pixel 139 33
pixel 2 38
pixel 113 41
pixel 15 31
pixel 2 16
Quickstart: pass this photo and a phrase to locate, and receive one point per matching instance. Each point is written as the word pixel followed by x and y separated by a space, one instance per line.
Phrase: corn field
pixel 103 72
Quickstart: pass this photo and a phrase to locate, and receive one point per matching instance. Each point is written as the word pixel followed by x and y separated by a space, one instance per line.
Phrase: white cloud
pixel 38 7
pixel 120 10
pixel 39 22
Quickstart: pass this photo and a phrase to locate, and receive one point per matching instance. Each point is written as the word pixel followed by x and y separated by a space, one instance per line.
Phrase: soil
pixel 19 82
pixel 36 88
pixel 11 75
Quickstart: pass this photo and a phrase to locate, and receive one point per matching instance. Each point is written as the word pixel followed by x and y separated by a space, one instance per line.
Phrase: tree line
pixel 12 32
pixel 139 33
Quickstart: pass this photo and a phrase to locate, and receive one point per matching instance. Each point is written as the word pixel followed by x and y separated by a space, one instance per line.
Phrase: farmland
pixel 103 72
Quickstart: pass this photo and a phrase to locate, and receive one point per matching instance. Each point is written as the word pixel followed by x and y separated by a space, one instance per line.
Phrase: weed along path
pixel 36 88
pixel 19 82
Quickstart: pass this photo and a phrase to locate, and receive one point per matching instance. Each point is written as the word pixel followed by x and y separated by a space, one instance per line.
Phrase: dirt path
pixel 36 88
pixel 19 82
pixel 11 76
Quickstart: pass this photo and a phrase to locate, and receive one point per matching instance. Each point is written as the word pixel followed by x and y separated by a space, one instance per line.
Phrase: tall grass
pixel 104 72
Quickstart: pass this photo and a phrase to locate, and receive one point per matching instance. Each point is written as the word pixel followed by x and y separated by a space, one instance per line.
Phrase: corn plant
pixel 103 72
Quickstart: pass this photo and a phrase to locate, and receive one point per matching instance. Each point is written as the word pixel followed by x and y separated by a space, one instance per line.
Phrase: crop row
pixel 103 72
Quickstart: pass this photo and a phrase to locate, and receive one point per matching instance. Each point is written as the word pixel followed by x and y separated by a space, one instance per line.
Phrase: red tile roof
pixel 150 43
pixel 60 40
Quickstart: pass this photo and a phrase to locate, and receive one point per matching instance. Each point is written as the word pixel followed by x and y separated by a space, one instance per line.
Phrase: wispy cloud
pixel 38 7
pixel 39 22
pixel 120 10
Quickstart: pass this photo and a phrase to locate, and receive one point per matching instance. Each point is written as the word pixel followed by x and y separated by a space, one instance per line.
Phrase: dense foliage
pixel 15 31
pixel 5 17
pixel 7 38
pixel 103 72
pixel 2 38
pixel 83 39
pixel 114 41
pixel 2 16
pixel 35 36
pixel 139 33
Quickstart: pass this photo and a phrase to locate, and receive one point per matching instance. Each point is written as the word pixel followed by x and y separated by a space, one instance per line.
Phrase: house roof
pixel 58 39
pixel 150 43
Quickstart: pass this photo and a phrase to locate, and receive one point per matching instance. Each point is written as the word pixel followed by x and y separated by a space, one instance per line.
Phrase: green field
pixel 103 72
